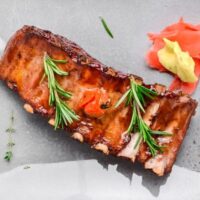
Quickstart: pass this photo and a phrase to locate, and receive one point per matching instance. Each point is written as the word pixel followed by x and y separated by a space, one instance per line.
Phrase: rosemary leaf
pixel 160 133
pixel 106 27
pixel 125 95
pixel 133 90
pixel 60 61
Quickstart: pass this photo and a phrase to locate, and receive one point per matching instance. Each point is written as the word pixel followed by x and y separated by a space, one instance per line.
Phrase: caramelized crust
pixel 22 68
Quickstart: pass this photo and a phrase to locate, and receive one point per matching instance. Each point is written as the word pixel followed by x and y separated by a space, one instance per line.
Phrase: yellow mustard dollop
pixel 177 61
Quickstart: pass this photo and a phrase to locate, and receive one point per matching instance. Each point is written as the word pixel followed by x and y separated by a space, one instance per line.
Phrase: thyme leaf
pixel 9 154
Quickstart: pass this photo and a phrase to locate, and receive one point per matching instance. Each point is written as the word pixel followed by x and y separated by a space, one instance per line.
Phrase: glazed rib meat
pixel 21 67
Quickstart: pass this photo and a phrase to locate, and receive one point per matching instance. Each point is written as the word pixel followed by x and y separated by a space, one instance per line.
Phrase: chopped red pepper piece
pixel 94 102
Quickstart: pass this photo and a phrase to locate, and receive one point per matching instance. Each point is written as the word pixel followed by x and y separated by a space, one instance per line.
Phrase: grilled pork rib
pixel 21 66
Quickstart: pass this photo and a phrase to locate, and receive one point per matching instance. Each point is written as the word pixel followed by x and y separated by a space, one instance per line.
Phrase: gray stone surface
pixel 78 20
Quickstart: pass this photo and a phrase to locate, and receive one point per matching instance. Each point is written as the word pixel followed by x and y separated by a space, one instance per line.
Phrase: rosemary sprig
pixel 106 27
pixel 64 115
pixel 135 97
pixel 9 154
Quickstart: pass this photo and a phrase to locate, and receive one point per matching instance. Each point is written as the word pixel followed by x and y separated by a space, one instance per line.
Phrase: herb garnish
pixel 64 115
pixel 106 27
pixel 135 97
pixel 27 167
pixel 9 154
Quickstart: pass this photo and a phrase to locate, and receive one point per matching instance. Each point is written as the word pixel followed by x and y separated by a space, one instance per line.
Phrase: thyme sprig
pixel 9 154
pixel 135 97
pixel 64 115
